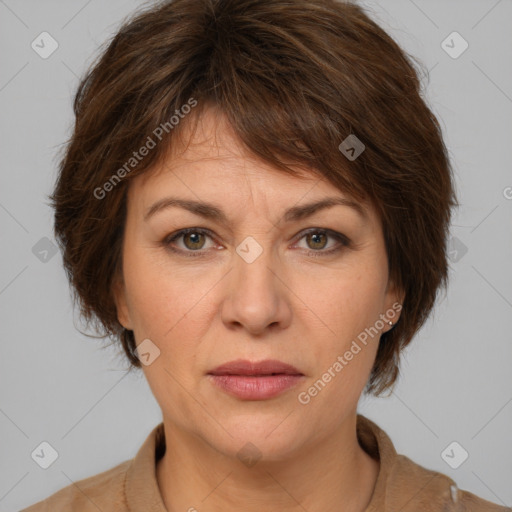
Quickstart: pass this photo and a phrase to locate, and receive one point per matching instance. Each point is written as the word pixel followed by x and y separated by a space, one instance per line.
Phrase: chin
pixel 263 439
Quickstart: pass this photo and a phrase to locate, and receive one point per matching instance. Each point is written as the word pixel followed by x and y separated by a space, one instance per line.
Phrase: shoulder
pixel 103 491
pixel 405 486
pixel 412 487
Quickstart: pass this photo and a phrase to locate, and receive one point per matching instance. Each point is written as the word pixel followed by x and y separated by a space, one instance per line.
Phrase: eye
pixel 193 241
pixel 317 239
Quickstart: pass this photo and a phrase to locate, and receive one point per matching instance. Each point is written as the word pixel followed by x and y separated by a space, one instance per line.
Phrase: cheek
pixel 348 300
pixel 350 308
pixel 349 304
pixel 165 303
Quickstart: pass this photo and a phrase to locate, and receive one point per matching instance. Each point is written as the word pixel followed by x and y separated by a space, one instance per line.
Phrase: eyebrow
pixel 210 211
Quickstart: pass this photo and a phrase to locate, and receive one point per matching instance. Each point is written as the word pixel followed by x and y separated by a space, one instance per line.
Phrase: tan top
pixel 402 485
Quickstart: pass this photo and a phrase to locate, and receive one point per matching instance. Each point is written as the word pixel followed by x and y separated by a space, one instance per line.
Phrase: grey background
pixel 61 387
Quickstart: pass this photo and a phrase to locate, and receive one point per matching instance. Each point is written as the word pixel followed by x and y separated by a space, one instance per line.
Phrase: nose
pixel 257 298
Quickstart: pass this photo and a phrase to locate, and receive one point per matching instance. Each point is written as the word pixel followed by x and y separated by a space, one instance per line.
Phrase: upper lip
pixel 243 367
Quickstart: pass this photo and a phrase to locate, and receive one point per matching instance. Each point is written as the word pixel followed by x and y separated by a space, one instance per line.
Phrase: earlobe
pixel 119 292
pixel 394 304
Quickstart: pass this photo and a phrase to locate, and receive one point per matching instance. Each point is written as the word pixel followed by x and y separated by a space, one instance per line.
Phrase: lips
pixel 255 369
pixel 261 380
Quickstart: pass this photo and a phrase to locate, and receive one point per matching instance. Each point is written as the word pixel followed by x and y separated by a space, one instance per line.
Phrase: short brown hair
pixel 294 79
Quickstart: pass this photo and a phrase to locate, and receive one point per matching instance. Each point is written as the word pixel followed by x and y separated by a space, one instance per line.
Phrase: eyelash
pixel 342 239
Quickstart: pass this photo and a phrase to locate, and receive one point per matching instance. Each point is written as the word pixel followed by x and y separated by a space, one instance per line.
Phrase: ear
pixel 119 292
pixel 393 302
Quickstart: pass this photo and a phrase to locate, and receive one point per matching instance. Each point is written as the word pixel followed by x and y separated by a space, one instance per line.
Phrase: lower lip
pixel 256 388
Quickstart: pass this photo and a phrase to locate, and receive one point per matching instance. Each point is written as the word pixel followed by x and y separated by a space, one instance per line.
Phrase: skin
pixel 287 304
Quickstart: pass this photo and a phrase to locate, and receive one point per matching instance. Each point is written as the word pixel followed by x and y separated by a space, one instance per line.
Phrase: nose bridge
pixel 256 298
pixel 253 261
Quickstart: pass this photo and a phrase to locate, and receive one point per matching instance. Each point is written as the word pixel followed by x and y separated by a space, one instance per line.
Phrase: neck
pixel 332 474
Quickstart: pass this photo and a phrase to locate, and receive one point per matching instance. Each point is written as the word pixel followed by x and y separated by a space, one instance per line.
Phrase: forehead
pixel 207 142
pixel 209 162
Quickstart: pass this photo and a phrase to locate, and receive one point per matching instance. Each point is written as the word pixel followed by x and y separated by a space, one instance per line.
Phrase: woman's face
pixel 251 283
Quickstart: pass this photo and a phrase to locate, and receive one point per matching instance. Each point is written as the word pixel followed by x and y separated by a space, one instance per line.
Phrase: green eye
pixel 317 240
pixel 194 241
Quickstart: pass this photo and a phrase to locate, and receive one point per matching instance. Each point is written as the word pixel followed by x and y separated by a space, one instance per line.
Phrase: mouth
pixel 268 367
pixel 263 380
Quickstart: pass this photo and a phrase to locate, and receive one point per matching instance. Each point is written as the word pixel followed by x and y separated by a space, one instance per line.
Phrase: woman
pixel 255 202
